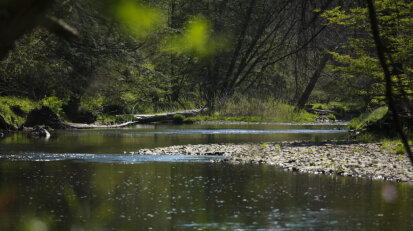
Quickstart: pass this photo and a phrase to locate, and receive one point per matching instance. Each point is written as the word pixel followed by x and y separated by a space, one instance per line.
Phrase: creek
pixel 86 180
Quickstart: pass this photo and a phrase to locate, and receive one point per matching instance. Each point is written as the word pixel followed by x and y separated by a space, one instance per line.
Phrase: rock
pixel 44 116
pixel 39 132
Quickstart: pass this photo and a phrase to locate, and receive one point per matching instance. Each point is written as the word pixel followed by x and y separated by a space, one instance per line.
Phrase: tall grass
pixel 241 108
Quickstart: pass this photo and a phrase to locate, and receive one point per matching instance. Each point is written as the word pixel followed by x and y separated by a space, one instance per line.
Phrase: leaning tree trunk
pixel 310 86
pixel 381 49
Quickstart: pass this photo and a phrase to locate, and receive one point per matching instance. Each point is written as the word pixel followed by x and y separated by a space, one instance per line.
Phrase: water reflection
pixel 150 136
pixel 68 195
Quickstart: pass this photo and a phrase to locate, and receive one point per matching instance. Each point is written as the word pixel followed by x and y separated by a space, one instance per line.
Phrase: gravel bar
pixel 333 157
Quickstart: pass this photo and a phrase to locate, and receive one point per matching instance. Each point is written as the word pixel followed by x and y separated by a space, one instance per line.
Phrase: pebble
pixel 343 158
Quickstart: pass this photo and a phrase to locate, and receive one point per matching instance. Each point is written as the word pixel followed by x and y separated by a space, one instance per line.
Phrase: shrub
pixel 178 119
pixel 55 104
pixel 92 104
pixel 190 120
pixel 14 109
pixel 331 117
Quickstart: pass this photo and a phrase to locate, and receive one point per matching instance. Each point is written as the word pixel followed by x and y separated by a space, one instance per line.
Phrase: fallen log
pixel 138 119
pixel 98 126
pixel 166 116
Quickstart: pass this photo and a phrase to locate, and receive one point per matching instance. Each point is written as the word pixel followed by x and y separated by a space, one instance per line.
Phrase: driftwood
pixel 166 116
pixel 98 126
pixel 139 119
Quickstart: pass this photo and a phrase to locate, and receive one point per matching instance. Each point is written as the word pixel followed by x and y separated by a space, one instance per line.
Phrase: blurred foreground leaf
pixel 139 19
pixel 197 39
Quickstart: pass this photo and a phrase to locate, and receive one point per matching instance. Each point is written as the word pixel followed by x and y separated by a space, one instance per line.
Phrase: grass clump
pixel 394 146
pixel 181 119
pixel 366 138
pixel 190 120
pixel 249 109
pixel 178 119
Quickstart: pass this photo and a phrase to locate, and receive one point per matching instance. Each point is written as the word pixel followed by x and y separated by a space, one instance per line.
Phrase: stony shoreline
pixel 332 157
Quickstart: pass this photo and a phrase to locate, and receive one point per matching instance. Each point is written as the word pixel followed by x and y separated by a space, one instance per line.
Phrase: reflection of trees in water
pixel 163 196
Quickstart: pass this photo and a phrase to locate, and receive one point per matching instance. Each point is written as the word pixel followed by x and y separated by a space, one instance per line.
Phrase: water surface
pixel 115 141
pixel 85 180
pixel 73 195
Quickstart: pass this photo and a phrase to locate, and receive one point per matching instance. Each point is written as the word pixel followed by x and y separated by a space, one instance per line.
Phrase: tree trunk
pixel 310 86
pixel 381 50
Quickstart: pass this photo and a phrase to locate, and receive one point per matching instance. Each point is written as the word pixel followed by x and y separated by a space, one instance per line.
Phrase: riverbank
pixel 343 158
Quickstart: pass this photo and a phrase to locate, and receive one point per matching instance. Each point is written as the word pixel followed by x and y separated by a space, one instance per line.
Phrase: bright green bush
pixel 178 119
pixel 190 120
pixel 331 117
pixel 15 109
pixel 92 104
pixel 55 104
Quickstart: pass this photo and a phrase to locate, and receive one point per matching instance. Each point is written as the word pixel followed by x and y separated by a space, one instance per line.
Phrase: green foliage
pixel 331 117
pixel 139 19
pixel 190 120
pixel 106 119
pixel 249 109
pixel 360 122
pixel 34 67
pixel 339 106
pixel 393 146
pixel 55 104
pixel 92 104
pixel 196 39
pixel 178 119
pixel 114 119
pixel 359 63
pixel 377 114
pixel 15 109
pixel 366 137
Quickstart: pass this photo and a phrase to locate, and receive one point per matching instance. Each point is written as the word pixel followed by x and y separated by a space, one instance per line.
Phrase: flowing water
pixel 82 180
